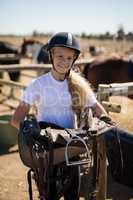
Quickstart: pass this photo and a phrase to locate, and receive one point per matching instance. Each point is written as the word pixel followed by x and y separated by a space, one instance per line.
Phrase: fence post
pixel 101 183
pixel 102 94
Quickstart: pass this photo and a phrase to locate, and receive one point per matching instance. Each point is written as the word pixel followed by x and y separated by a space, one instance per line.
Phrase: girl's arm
pixel 20 113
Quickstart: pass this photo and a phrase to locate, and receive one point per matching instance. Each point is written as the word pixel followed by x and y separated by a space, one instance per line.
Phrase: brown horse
pixel 114 70
pixel 28 43
pixel 9 55
pixel 36 49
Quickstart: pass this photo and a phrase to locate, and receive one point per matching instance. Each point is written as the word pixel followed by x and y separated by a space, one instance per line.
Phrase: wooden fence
pixel 104 90
pixel 114 89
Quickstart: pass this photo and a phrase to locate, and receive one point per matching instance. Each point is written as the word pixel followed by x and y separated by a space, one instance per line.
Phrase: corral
pixel 18 187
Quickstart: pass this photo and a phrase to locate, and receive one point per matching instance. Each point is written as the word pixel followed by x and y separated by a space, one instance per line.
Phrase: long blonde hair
pixel 79 89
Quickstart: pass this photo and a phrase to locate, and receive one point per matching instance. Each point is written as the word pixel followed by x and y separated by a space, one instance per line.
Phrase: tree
pixel 35 33
pixel 120 33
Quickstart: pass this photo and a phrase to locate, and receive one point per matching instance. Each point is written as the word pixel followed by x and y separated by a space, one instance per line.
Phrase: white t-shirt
pixel 53 100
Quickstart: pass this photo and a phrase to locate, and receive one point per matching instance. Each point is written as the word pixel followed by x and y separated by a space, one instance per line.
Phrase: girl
pixel 62 98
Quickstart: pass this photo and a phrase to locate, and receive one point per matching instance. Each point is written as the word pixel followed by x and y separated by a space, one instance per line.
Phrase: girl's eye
pixel 59 56
pixel 70 59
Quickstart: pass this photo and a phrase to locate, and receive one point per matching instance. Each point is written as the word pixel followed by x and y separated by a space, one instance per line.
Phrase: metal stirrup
pixel 72 163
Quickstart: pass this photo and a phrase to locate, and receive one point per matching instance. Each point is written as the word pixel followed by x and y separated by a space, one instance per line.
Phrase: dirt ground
pixel 13 178
pixel 13 184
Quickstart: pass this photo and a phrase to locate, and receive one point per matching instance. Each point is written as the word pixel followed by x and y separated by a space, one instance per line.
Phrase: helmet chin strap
pixel 52 62
pixel 67 74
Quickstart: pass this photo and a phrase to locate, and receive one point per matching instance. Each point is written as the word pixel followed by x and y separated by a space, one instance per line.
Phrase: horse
pixel 43 56
pixel 6 47
pixel 36 50
pixel 112 70
pixel 9 55
pixel 95 51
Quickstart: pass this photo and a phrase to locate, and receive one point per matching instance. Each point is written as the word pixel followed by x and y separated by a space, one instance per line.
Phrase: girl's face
pixel 62 58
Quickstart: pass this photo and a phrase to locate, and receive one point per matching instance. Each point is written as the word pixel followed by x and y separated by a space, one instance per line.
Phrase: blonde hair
pixel 80 90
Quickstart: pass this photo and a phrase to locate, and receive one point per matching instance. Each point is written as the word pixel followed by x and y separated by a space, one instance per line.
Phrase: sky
pixel 76 16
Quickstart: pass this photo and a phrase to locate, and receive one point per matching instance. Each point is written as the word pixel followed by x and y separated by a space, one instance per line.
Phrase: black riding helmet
pixel 64 39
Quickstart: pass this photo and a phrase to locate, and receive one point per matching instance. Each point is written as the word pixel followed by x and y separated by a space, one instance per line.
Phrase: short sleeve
pixel 91 100
pixel 31 94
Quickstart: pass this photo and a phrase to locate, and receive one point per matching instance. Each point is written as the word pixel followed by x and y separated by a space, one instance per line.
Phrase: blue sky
pixel 90 16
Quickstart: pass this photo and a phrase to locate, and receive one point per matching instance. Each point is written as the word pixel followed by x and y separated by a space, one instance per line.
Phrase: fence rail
pixel 12 84
pixel 114 89
pixel 16 67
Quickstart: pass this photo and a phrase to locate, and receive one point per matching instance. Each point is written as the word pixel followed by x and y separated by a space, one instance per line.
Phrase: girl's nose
pixel 67 63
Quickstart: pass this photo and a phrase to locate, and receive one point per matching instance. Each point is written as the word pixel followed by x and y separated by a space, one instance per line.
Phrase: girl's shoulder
pixel 79 80
pixel 42 79
pixel 39 82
